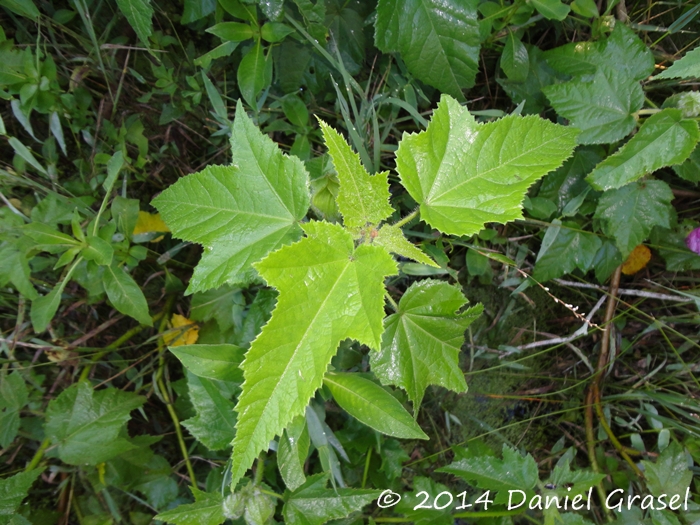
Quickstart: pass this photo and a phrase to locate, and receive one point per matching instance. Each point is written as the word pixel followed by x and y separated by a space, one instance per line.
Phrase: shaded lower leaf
pixel 13 397
pixel 86 425
pixel 629 213
pixel 215 422
pixel 314 504
pixel 206 510
pixel 13 490
pixel 292 452
pixel 372 405
pixel 125 295
pixel 564 248
pixel 215 361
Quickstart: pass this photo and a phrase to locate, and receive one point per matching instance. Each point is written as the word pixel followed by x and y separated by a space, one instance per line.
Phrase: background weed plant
pixel 262 261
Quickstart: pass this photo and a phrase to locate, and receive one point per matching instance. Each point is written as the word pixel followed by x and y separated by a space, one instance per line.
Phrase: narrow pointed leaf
pixel 125 295
pixel 372 405
pixel 329 291
pixel 254 73
pixel 239 213
pixel 665 139
pixel 392 239
pixel 686 67
pixel 422 340
pixel 86 425
pixel 362 198
pixel 465 174
pixel 292 452
pixel 139 14
pixel 438 40
pixel 215 361
pixel 629 213
pixel 314 504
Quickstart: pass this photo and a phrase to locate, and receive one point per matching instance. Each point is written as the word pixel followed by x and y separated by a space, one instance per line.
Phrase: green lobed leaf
pixel 372 405
pixel 139 14
pixel 422 340
pixel 686 67
pixel 629 213
pixel 208 509
pixel 464 174
pixel 564 248
pixel 622 51
pixel 216 361
pixel 13 490
pixel 392 239
pixel 86 425
pixel 292 452
pixel 125 295
pixel 670 473
pixel 438 40
pixel 329 291
pixel 665 139
pixel 13 397
pixel 490 473
pixel 240 213
pixel 215 423
pixel 254 73
pixel 362 198
pixel 314 504
pixel 602 108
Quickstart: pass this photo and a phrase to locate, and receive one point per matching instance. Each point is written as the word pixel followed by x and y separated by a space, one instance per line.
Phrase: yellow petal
pixel 149 222
pixel 184 331
pixel 637 260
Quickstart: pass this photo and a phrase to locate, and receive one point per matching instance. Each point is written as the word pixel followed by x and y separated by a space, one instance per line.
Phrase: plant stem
pixel 38 455
pixel 408 218
pixel 164 394
pixel 391 301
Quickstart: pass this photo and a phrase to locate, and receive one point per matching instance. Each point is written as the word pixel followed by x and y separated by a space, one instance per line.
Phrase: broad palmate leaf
pixel 362 199
pixel 86 425
pixel 665 139
pixel 329 291
pixel 438 40
pixel 13 490
pixel 208 509
pixel 629 213
pixel 464 174
pixel 422 340
pixel 314 504
pixel 239 213
pixel 372 405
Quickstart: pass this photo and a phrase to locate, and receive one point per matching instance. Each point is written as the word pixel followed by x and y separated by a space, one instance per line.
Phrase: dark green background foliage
pixel 552 351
